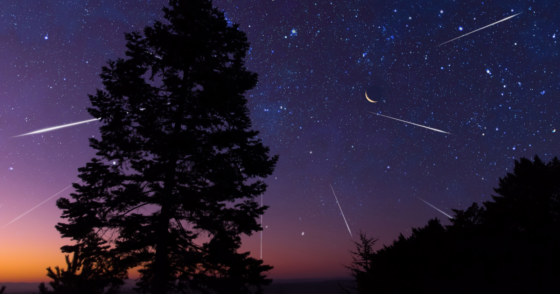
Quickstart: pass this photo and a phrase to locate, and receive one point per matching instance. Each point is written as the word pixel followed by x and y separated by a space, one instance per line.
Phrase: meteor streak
pixel 481 28
pixel 36 207
pixel 411 123
pixel 341 211
pixel 435 208
pixel 57 127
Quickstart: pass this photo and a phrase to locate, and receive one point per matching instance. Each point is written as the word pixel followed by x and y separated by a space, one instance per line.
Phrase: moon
pixel 370 99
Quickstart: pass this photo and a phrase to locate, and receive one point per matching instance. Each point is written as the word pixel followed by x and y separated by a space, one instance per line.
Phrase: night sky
pixel 493 94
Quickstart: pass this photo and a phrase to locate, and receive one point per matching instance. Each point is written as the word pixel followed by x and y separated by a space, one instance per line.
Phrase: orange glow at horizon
pixel 27 262
pixel 32 244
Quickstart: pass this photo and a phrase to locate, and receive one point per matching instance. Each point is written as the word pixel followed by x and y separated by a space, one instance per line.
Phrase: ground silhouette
pixel 510 245
pixel 175 113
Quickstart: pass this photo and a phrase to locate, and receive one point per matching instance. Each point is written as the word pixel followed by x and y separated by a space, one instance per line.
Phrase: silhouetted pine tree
pixel 2 289
pixel 361 268
pixel 175 113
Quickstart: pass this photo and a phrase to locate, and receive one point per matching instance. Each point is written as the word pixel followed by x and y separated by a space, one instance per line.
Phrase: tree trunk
pixel 159 283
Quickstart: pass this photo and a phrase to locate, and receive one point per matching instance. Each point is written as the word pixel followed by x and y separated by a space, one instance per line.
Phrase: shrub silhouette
pixel 91 280
pixel 510 245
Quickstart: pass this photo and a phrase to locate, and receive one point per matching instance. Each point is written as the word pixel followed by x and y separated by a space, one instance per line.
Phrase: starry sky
pixel 494 94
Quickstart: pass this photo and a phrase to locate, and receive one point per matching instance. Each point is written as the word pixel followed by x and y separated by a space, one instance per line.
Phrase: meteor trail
pixel 481 28
pixel 435 208
pixel 36 207
pixel 57 127
pixel 341 211
pixel 411 123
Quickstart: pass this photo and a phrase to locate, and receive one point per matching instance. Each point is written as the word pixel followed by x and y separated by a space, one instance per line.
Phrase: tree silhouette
pixel 527 208
pixel 175 113
pixel 94 277
pixel 508 246
pixel 361 267
pixel 403 266
pixel 2 289
pixel 529 199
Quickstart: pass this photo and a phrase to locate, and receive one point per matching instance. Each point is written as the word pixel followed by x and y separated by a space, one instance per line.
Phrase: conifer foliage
pixel 174 113
pixel 509 245
pixel 85 275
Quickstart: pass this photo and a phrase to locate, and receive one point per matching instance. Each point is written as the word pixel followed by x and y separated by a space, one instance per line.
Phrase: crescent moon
pixel 370 99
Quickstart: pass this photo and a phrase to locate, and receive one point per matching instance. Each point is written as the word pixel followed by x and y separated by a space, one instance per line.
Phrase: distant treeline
pixel 509 245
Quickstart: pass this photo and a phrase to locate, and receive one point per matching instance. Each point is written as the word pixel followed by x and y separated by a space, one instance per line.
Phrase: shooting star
pixel 412 123
pixel 57 127
pixel 341 211
pixel 435 208
pixel 36 206
pixel 480 28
